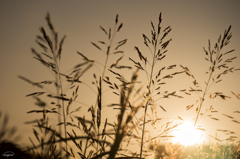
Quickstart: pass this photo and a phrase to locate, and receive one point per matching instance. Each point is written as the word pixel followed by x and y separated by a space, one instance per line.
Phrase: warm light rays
pixel 187 134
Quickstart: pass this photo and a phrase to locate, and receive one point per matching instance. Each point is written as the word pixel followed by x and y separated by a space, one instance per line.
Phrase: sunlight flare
pixel 187 134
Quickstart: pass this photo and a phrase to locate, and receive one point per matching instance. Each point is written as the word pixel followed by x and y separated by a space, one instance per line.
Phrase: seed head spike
pixel 116 20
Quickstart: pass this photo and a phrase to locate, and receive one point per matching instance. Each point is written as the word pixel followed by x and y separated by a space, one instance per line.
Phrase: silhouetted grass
pixel 91 138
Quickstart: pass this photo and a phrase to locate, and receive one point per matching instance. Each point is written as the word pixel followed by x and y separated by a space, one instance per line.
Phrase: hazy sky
pixel 193 23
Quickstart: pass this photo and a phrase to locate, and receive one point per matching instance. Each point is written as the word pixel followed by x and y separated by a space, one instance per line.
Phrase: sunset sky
pixel 193 23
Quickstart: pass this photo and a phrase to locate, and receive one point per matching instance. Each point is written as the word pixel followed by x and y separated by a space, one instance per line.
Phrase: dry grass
pixel 92 138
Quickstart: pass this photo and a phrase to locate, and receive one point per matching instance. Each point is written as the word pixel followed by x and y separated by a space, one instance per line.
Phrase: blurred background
pixel 193 23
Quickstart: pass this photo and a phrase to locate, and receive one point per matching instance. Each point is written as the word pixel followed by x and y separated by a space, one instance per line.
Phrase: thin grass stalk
pixel 64 116
pixel 99 106
pixel 56 56
pixel 101 80
pixel 85 150
pixel 105 65
pixel 206 88
pixel 158 46
pixel 59 115
pixel 203 97
pixel 144 120
pixel 59 93
pixel 97 139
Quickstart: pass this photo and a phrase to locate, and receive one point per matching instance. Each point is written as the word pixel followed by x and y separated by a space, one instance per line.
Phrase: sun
pixel 186 134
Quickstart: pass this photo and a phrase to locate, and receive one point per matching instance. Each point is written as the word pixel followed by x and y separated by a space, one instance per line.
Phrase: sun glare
pixel 186 134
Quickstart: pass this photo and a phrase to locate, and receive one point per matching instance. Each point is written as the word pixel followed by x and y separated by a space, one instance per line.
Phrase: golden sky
pixel 193 23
